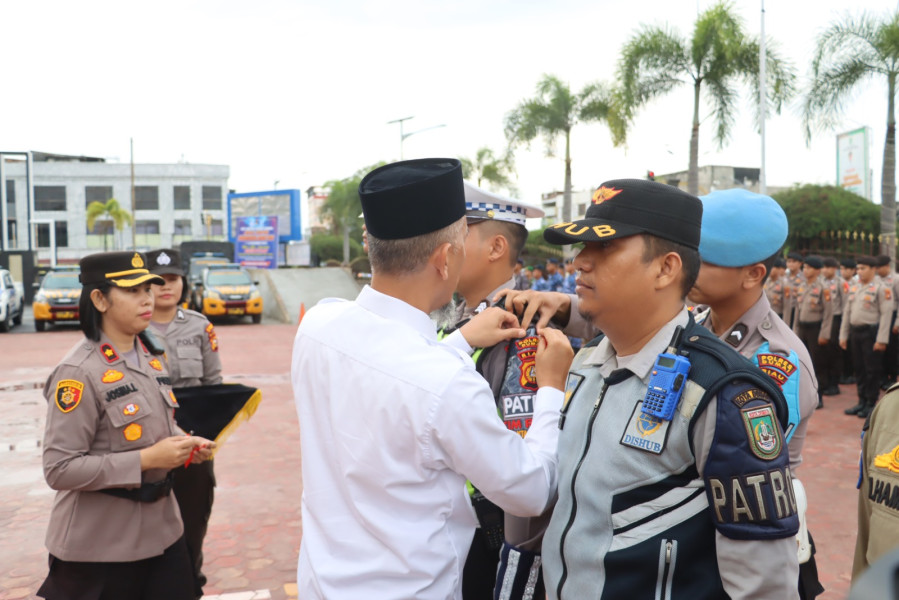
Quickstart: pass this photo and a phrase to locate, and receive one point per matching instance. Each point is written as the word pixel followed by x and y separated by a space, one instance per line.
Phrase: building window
pixel 97 193
pixel 50 197
pixel 11 196
pixel 182 231
pixel 216 228
pixel 147 233
pixel 62 234
pixel 212 197
pixel 182 197
pixel 146 197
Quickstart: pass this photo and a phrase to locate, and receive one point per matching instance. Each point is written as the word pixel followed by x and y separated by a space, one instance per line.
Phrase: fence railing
pixel 841 243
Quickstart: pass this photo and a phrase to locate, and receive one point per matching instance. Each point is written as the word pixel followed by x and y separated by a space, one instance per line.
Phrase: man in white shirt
pixel 393 421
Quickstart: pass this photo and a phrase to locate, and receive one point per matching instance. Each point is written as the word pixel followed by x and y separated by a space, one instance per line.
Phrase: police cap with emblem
pixel 481 205
pixel 165 262
pixel 413 197
pixel 625 207
pixel 121 269
pixel 740 228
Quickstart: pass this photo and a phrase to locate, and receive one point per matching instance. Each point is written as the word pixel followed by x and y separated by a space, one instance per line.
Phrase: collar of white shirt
pixel 394 309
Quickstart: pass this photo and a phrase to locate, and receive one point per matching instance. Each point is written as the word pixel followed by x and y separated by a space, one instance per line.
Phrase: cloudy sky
pixel 299 92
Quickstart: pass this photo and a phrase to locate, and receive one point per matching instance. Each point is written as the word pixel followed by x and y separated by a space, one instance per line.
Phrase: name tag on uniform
pixel 645 432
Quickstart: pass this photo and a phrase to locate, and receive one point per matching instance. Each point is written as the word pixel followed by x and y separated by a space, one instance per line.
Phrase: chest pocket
pixel 130 427
pixel 190 361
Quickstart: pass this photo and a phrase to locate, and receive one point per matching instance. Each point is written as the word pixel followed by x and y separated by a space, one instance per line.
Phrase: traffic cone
pixel 302 313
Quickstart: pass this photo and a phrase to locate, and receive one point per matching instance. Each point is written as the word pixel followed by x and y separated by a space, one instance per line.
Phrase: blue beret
pixel 740 228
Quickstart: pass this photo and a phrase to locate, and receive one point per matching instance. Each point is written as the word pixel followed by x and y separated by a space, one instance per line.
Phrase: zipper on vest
pixel 667 556
pixel 577 468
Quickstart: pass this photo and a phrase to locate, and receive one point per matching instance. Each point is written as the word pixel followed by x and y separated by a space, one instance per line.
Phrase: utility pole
pixel 763 103
pixel 133 201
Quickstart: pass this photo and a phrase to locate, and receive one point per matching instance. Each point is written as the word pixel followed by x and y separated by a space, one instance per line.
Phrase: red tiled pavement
pixel 255 529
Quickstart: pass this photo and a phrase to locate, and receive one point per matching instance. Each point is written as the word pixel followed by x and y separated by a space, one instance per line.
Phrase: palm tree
pixel 109 210
pixel 343 207
pixel 487 167
pixel 720 54
pixel 555 111
pixel 850 54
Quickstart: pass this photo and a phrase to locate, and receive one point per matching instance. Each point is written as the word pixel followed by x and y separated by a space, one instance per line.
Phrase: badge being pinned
pixel 111 376
pixel 763 431
pixel 133 432
pixel 68 394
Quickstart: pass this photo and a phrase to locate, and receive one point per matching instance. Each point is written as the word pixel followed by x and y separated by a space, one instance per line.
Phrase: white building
pixel 173 203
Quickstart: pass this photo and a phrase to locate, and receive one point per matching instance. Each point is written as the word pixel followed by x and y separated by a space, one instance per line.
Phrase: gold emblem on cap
pixel 490 213
pixel 604 193
pixel 137 262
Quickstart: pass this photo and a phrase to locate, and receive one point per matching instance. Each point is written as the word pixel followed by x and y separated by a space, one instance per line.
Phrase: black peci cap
pixel 413 197
pixel 813 261
pixel 868 261
pixel 794 256
pixel 849 263
pixel 121 269
pixel 626 207
pixel 780 262
pixel 882 260
pixel 165 262
pixel 830 261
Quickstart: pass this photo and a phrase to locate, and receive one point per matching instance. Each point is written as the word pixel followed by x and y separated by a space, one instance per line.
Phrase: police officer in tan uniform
pixel 867 313
pixel 848 276
pixel 889 279
pixel 833 357
pixel 191 350
pixel 813 316
pixel 878 511
pixel 791 286
pixel 109 446
pixel 774 286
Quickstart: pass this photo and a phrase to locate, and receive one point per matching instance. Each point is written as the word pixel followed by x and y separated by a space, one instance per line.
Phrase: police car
pixel 227 290
pixel 57 299
pixel 12 301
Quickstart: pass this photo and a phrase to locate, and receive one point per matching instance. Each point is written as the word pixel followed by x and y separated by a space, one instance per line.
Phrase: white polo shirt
pixel 392 422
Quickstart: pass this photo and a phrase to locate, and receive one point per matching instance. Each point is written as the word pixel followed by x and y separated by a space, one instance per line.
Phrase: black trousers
pixel 164 577
pixel 868 363
pixel 892 353
pixel 194 488
pixel 808 333
pixel 479 573
pixel 833 357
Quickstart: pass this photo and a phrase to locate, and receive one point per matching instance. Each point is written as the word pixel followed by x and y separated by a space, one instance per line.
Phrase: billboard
pixel 257 242
pixel 284 204
pixel 853 172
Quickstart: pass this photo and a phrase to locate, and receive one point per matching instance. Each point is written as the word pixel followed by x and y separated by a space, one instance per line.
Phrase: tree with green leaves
pixel 110 211
pixel 554 112
pixel 343 207
pixel 850 54
pixel 719 55
pixel 814 210
pixel 487 167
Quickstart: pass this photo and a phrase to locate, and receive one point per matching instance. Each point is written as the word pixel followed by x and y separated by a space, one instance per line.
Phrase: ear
pixel 753 275
pixel 499 248
pixel 670 269
pixel 101 302
pixel 439 260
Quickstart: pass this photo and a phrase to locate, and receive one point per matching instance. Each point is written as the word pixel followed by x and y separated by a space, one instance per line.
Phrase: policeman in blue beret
pixel 736 259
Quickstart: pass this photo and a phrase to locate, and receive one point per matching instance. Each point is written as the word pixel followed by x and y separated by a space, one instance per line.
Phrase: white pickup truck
pixel 12 301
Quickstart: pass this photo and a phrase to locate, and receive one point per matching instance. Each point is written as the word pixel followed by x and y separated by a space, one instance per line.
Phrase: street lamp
pixel 403 136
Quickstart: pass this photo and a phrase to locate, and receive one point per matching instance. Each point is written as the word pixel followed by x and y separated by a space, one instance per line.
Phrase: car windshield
pixel 218 277
pixel 60 280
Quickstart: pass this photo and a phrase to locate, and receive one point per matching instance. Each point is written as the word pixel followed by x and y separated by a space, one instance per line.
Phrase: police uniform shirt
pixel 878 507
pixel 791 290
pixel 814 306
pixel 102 411
pixel 774 289
pixel 392 423
pixel 758 325
pixel 868 304
pixel 613 504
pixel 891 281
pixel 835 286
pixel 191 349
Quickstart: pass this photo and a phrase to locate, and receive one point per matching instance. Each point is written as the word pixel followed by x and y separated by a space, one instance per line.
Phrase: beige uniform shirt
pixel 774 289
pixel 878 512
pixel 101 412
pixel 791 286
pixel 191 349
pixel 892 282
pixel 868 304
pixel 813 304
pixel 835 286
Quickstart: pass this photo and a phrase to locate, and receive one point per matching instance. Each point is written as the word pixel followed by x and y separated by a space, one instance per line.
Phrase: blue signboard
pixel 284 204
pixel 257 242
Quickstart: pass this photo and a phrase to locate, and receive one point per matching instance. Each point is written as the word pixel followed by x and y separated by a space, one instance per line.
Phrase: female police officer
pixel 109 446
pixel 191 348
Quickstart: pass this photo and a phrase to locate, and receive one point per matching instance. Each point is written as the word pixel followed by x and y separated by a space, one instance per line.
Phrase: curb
pixel 20 386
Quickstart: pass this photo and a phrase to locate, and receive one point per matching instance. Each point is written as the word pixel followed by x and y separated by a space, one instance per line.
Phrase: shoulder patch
pixel 762 430
pixel 776 367
pixel 111 376
pixel 109 353
pixel 68 394
pixel 889 461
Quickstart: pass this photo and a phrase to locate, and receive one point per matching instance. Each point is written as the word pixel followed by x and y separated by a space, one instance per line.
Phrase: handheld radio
pixel 666 384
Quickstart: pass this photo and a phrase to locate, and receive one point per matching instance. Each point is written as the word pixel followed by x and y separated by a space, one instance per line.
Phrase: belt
pixel 862 327
pixel 809 323
pixel 147 492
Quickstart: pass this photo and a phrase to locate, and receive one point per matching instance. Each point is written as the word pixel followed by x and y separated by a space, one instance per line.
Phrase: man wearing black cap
pixel 791 286
pixel 393 421
pixel 848 276
pixel 652 494
pixel 813 317
pixel 774 286
pixel 890 281
pixel 866 330
pixel 833 355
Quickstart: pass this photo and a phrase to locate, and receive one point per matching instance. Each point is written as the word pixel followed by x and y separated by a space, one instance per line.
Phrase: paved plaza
pixel 254 534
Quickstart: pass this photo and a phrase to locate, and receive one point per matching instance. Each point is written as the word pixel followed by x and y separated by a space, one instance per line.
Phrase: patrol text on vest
pixel 744 498
pixel 122 390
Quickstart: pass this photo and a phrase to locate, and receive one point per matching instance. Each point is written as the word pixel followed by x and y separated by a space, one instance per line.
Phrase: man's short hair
pixel 654 247
pixel 515 234
pixel 409 255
